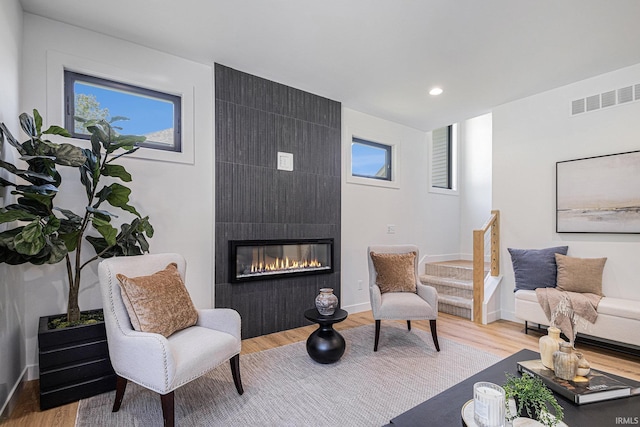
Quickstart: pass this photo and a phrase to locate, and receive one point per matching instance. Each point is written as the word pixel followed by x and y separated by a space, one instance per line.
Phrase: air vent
pixel 577 106
pixel 593 102
pixel 606 99
pixel 625 94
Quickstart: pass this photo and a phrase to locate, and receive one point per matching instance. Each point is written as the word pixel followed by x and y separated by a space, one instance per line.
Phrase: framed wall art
pixel 599 194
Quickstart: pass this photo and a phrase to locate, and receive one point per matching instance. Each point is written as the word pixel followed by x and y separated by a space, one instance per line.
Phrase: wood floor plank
pixel 501 338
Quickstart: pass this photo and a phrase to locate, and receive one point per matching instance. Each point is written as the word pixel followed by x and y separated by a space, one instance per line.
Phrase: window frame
pixel 452 167
pixel 349 133
pixel 388 149
pixel 71 77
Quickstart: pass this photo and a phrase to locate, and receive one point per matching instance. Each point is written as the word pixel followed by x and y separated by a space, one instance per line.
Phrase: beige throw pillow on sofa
pixel 395 272
pixel 580 274
pixel 158 303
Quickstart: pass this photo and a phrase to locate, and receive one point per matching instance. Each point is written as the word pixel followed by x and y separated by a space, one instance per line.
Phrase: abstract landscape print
pixel 599 194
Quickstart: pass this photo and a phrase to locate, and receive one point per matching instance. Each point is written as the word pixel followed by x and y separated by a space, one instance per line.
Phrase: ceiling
pixel 381 57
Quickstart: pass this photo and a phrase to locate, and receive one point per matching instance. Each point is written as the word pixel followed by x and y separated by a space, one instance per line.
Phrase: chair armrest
pixel 221 319
pixel 140 357
pixel 375 299
pixel 429 294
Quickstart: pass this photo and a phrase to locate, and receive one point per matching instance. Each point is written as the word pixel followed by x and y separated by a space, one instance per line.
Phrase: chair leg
pixel 168 413
pixel 235 371
pixel 409 324
pixel 434 333
pixel 121 385
pixel 375 345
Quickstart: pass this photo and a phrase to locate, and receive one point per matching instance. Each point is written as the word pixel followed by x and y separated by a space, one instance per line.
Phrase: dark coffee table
pixel 444 409
pixel 325 344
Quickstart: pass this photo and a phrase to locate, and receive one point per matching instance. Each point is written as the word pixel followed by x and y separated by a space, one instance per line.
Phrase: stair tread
pixel 447 281
pixel 455 301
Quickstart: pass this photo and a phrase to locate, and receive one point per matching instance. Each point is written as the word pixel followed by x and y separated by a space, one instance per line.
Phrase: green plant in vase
pixel 43 232
pixel 533 400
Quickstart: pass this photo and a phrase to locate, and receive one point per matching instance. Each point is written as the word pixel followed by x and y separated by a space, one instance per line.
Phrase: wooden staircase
pixel 454 282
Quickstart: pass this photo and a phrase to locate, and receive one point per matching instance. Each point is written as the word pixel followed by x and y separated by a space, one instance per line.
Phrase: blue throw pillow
pixel 536 268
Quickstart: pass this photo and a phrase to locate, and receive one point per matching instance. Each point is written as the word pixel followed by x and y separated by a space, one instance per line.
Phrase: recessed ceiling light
pixel 435 91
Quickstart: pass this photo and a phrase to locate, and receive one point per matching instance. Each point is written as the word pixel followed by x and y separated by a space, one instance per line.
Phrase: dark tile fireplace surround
pixel 257 203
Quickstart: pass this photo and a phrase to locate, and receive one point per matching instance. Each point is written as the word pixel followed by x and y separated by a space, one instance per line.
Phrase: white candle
pixel 488 400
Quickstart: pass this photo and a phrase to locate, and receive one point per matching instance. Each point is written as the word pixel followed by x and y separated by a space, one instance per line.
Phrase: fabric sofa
pixel 618 319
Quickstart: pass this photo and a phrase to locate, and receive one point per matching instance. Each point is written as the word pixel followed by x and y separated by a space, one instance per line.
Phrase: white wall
pixel 178 197
pixel 428 220
pixel 475 138
pixel 529 137
pixel 11 292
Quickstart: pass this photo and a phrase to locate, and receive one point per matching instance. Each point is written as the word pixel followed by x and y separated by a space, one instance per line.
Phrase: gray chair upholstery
pixel 153 361
pixel 421 305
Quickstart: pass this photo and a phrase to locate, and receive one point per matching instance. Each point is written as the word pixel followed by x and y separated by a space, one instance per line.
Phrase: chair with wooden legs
pixel 396 291
pixel 156 362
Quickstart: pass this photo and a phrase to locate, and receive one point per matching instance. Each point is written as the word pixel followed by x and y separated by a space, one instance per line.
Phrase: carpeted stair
pixel 454 282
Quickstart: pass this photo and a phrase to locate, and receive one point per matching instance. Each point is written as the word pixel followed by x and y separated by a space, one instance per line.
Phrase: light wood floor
pixel 501 338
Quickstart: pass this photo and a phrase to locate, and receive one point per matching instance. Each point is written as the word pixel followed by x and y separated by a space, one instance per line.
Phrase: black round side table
pixel 325 344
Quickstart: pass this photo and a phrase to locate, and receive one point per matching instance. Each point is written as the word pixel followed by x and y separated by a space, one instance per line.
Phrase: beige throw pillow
pixel 158 303
pixel 580 274
pixel 395 272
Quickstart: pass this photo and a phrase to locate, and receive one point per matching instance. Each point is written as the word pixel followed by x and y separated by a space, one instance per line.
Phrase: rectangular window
pixel 441 158
pixel 370 159
pixel 150 113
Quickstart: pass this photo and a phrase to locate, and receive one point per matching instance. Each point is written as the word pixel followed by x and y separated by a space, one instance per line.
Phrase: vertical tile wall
pixel 255 119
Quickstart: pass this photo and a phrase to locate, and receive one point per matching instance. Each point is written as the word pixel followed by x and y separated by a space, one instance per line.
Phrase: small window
pixel 370 159
pixel 150 113
pixel 441 158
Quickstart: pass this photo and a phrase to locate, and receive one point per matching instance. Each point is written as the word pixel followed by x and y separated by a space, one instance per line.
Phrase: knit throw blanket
pixel 564 309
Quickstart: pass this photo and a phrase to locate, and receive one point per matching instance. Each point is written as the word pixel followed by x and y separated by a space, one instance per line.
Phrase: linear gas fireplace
pixel 271 259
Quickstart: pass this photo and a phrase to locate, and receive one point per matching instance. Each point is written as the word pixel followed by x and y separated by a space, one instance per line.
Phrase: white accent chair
pixel 153 361
pixel 421 305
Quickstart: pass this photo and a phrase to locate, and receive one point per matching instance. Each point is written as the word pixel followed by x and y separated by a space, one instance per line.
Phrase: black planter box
pixel 74 363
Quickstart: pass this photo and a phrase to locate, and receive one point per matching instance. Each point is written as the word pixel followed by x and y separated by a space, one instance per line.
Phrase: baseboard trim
pixel 357 308
pixel 14 395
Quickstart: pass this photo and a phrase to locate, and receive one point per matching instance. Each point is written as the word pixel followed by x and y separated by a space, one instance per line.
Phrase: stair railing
pixel 492 226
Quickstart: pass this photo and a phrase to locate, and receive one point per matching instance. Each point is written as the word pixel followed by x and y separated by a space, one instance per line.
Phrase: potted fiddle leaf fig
pixel 40 231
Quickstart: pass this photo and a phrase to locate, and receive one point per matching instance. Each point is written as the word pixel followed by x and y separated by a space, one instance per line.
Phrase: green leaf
pixel 4 132
pixel 119 197
pixel 103 213
pixel 38 120
pixel 69 155
pixel 42 199
pixel 106 230
pixel 30 240
pixel 56 130
pixel 45 189
pixel 28 125
pixel 52 225
pixel 118 119
pixel 58 250
pixel 26 174
pixel 126 142
pixel 70 240
pixel 117 171
pixel 15 215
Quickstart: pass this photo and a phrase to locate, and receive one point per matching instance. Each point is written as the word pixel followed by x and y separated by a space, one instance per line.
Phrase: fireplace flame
pixel 284 264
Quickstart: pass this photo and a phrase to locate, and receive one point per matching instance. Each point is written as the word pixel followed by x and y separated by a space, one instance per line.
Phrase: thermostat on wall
pixel 285 161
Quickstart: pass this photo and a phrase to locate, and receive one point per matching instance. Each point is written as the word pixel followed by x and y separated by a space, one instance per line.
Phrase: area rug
pixel 285 387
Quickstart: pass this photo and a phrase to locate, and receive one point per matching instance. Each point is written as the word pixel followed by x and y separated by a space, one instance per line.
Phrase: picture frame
pixel 599 194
